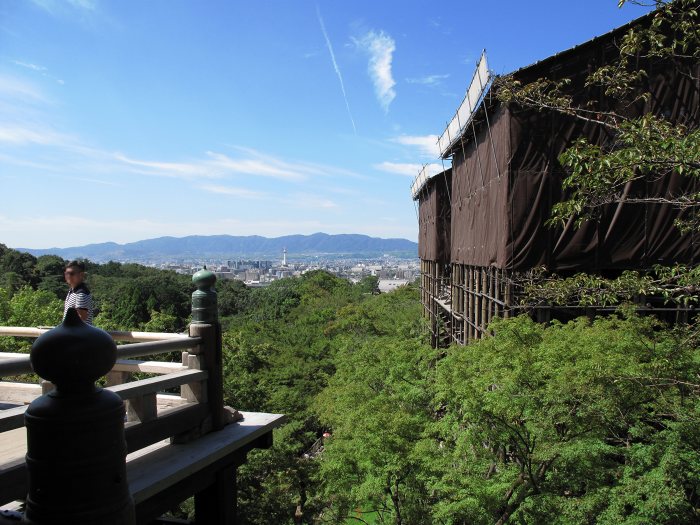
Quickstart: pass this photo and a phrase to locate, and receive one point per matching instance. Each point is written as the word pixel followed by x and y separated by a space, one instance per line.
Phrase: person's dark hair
pixel 80 265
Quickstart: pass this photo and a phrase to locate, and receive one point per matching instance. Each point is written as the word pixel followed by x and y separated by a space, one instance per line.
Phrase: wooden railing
pixel 177 436
pixel 145 398
pixel 155 410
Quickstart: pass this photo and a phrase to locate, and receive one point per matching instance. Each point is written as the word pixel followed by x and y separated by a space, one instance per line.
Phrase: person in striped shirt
pixel 79 296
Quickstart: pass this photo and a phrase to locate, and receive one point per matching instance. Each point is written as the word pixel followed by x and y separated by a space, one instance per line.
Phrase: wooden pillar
pixel 216 504
pixel 205 324
pixel 507 295
pixel 496 292
pixel 484 300
pixel 211 348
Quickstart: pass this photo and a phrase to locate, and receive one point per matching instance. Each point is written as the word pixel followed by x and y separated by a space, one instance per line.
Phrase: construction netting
pixel 506 176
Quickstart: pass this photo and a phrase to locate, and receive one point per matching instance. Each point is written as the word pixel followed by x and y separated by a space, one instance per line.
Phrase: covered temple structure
pixel 482 222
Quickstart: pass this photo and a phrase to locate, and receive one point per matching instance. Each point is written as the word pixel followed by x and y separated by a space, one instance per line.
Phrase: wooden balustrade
pixel 173 450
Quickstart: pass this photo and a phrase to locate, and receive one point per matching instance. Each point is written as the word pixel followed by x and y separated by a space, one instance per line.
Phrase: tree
pixel 50 272
pixel 376 407
pixel 27 307
pixel 369 284
pixel 233 297
pixel 588 422
pixel 20 265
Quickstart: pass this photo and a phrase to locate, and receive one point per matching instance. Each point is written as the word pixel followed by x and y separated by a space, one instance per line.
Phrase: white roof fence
pixel 479 86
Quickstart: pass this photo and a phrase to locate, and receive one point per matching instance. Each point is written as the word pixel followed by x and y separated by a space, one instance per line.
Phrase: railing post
pixel 216 504
pixel 205 324
pixel 76 450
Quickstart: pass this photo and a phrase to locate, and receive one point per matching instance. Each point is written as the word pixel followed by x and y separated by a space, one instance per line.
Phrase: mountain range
pixel 229 246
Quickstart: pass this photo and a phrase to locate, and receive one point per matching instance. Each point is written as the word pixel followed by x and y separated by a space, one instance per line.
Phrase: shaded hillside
pixel 229 246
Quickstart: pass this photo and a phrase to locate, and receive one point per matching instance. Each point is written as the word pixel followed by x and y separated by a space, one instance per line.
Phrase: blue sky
pixel 126 120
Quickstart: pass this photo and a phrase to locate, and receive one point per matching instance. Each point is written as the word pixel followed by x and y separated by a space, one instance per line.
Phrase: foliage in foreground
pixel 588 422
pixel 577 423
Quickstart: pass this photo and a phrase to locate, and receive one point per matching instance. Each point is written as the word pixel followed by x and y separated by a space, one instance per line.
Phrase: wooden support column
pixel 484 300
pixel 142 409
pixel 216 504
pixel 507 295
pixel 117 378
pixel 496 292
pixel 205 324
pixel 477 302
pixel 211 353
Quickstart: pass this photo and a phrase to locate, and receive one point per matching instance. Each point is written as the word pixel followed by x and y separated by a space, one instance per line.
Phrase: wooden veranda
pixel 181 441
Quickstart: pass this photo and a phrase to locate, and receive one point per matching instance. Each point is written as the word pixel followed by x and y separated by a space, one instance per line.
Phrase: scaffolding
pixel 482 222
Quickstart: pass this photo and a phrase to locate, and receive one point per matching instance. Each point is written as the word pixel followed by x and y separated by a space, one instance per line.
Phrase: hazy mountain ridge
pixel 225 246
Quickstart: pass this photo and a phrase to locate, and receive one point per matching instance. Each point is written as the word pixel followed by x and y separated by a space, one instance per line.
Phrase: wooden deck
pixel 168 468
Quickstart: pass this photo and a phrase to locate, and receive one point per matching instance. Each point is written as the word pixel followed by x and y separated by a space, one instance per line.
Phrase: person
pixel 79 296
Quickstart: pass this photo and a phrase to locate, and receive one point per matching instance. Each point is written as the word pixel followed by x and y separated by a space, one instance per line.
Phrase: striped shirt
pixel 79 297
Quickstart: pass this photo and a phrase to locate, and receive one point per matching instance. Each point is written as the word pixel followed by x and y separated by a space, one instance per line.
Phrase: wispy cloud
pixel 428 80
pixel 44 71
pixel 269 167
pixel 236 192
pixel 90 5
pixel 306 201
pixel 27 65
pixel 407 169
pixel 335 66
pixel 426 144
pixel 22 135
pixel 98 181
pixel 380 47
pixel 20 90
pixel 52 6
pixel 172 169
pixel 218 165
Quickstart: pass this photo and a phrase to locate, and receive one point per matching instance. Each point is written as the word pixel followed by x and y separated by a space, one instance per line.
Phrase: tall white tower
pixel 284 257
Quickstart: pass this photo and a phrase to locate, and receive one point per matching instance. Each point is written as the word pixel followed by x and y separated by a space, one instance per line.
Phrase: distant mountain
pixel 229 246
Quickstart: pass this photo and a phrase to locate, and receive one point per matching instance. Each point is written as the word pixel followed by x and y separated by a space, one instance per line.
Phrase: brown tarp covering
pixel 480 195
pixel 505 182
pixel 434 219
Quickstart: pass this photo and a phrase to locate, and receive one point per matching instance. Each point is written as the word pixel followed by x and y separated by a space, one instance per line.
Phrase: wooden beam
pixel 19 393
pixel 142 409
pixel 12 418
pixel 154 469
pixel 169 423
pixel 154 385
pixel 149 367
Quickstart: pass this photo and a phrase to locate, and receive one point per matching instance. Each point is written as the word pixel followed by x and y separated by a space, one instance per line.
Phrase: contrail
pixel 335 65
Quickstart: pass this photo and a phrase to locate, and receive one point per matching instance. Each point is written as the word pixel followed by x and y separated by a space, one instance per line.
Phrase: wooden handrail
pixel 148 367
pixel 143 337
pixel 153 385
pixel 157 347
pixel 117 335
pixel 15 366
pixel 21 331
pixel 12 418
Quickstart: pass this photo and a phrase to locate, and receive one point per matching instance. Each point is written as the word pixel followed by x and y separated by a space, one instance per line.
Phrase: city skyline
pixel 124 121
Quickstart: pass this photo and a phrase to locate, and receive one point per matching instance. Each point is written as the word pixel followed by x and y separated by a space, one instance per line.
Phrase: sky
pixel 128 120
